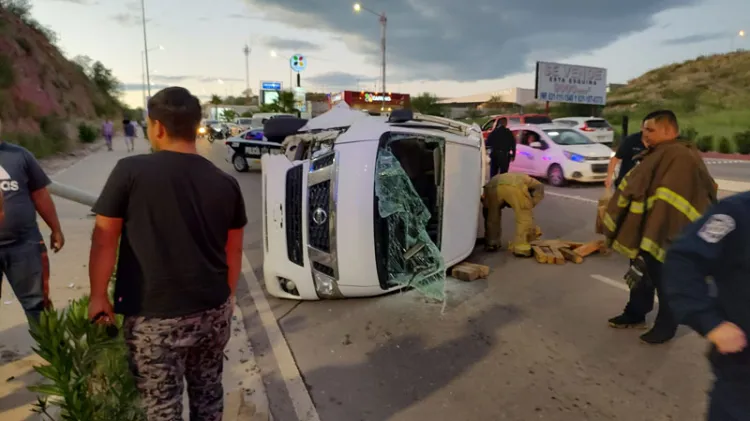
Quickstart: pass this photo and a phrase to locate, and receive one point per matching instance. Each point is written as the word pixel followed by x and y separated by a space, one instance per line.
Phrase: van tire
pixel 556 176
pixel 240 163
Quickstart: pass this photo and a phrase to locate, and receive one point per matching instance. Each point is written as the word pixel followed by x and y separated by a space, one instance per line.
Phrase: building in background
pixel 370 101
pixel 512 97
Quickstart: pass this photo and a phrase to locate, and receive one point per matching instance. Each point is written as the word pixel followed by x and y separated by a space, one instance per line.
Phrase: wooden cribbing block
pixel 557 257
pixel 570 255
pixel 469 271
pixel 588 248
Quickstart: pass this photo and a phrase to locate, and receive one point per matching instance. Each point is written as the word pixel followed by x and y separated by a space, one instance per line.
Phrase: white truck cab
pixel 376 204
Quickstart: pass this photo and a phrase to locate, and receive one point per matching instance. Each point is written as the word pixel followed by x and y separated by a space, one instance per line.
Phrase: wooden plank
pixel 484 271
pixel 571 255
pixel 465 273
pixel 588 248
pixel 539 254
pixel 550 255
pixel 604 250
pixel 558 256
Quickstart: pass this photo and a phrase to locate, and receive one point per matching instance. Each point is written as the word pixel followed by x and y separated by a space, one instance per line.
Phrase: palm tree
pixel 215 99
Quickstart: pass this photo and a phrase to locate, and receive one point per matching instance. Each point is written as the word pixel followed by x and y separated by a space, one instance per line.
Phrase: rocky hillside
pixel 706 83
pixel 43 95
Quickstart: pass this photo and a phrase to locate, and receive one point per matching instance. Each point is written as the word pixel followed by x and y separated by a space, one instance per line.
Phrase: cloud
pixel 127 87
pixel 81 2
pixel 129 19
pixel 338 80
pixel 193 78
pixel 288 44
pixel 471 39
pixel 695 39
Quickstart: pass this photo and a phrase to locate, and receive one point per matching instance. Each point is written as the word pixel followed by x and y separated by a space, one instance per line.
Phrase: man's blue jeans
pixel 21 264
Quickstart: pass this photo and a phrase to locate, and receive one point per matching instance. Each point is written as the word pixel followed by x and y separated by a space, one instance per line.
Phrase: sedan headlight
pixel 574 156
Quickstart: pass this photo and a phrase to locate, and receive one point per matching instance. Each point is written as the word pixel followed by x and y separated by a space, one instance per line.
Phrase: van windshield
pixel 567 137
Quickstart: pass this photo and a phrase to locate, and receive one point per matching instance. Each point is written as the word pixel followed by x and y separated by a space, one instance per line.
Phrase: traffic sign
pixel 270 86
pixel 298 63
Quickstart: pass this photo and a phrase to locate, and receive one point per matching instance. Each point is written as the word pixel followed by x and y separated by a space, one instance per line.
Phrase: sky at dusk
pixel 441 46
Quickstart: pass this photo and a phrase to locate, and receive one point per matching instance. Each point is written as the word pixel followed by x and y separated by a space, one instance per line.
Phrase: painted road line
pixel 295 386
pixel 617 284
pixel 570 196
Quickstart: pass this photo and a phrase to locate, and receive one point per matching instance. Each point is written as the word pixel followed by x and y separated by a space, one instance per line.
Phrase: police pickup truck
pixel 244 150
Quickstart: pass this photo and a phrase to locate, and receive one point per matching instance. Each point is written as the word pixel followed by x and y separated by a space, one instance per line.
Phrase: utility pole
pixel 383 22
pixel 145 47
pixel 247 50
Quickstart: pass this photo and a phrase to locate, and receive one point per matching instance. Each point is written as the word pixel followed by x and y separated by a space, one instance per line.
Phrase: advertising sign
pixel 376 98
pixel 556 82
pixel 269 97
pixel 298 63
pixel 270 86
pixel 299 99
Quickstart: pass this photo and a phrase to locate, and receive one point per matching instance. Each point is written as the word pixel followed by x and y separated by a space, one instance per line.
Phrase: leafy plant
pixel 705 143
pixel 427 103
pixel 87 134
pixel 724 145
pixel 86 370
pixel 247 114
pixel 742 142
pixel 229 114
pixel 689 133
pixel 7 74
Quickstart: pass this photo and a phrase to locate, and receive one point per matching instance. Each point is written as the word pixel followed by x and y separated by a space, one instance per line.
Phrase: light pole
pixel 144 73
pixel 740 34
pixel 247 50
pixel 145 46
pixel 383 22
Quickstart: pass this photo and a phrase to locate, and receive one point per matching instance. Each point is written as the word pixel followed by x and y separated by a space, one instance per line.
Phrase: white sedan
pixel 597 129
pixel 559 153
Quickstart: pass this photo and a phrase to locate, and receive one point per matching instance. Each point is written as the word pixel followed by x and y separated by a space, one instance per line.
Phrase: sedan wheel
pixel 555 176
pixel 240 163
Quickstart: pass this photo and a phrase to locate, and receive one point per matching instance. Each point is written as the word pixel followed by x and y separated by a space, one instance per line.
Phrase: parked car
pixel 559 153
pixel 490 124
pixel 245 150
pixel 311 253
pixel 595 128
pixel 246 123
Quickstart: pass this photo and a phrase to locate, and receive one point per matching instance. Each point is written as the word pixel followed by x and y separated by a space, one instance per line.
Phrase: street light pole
pixel 740 34
pixel 145 46
pixel 383 23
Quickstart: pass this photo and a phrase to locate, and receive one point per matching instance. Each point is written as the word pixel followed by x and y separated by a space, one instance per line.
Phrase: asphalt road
pixel 529 342
pixel 729 170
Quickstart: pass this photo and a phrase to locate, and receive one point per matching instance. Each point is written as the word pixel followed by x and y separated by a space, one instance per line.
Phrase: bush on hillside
pixel 705 143
pixel 724 145
pixel 689 133
pixel 86 371
pixel 742 142
pixel 7 74
pixel 87 134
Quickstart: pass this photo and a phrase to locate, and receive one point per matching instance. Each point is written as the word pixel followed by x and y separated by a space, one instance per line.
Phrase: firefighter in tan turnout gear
pixel 520 192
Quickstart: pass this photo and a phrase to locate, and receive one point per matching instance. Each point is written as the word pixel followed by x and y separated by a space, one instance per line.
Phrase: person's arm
pixel 537 189
pixel 234 244
pixel 110 210
pixel 512 140
pixel 622 151
pixel 703 247
pixel 37 184
pixel 2 208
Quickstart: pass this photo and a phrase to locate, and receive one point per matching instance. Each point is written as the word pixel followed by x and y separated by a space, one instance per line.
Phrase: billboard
pixel 269 91
pixel 270 86
pixel 557 82
pixel 299 99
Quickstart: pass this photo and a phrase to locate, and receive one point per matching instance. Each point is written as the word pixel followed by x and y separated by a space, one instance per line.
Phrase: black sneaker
pixel 657 337
pixel 489 248
pixel 625 321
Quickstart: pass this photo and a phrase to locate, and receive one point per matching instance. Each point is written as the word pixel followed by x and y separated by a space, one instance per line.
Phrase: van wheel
pixel 240 163
pixel 555 175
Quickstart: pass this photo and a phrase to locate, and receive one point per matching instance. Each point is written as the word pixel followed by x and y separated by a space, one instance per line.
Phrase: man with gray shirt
pixel 24 187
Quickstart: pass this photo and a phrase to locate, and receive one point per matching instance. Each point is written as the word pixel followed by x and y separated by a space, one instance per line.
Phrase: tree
pixel 495 102
pixel 427 103
pixel 215 99
pixel 283 104
pixel 229 114
pixel 247 93
pixel 247 114
pixel 104 79
pixel 84 62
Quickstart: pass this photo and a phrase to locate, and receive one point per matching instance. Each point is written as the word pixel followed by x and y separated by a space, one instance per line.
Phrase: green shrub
pixel 742 142
pixel 86 372
pixel 24 44
pixel 705 143
pixel 724 145
pixel 87 134
pixel 689 133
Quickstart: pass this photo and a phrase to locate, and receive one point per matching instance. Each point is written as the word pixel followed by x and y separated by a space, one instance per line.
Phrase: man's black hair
pixel 503 121
pixel 177 110
pixel 666 116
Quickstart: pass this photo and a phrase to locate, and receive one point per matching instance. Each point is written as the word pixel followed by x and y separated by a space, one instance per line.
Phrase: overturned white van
pixel 370 204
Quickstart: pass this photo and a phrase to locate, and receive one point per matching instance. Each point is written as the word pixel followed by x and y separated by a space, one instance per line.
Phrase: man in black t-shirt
pixel 179 223
pixel 630 147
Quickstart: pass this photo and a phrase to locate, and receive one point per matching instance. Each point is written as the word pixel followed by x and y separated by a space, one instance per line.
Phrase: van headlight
pixel 325 286
pixel 574 156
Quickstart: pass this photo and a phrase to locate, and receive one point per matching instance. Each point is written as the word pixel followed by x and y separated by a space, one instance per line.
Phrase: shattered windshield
pixel 405 227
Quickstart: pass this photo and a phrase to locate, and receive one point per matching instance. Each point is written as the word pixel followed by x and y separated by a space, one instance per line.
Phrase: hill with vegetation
pixel 48 103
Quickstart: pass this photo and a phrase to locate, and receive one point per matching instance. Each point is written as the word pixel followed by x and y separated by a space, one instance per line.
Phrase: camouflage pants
pixel 163 352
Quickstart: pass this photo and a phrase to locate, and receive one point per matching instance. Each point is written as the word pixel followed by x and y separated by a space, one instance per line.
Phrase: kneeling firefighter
pixel 521 193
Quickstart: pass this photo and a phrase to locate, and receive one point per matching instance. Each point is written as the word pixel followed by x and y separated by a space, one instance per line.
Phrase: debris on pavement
pixel 561 251
pixel 468 272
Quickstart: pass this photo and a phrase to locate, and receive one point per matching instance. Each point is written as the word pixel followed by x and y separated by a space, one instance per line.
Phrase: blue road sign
pixel 271 86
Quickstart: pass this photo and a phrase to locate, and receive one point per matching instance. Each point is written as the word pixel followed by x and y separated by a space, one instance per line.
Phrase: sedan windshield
pixel 567 137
